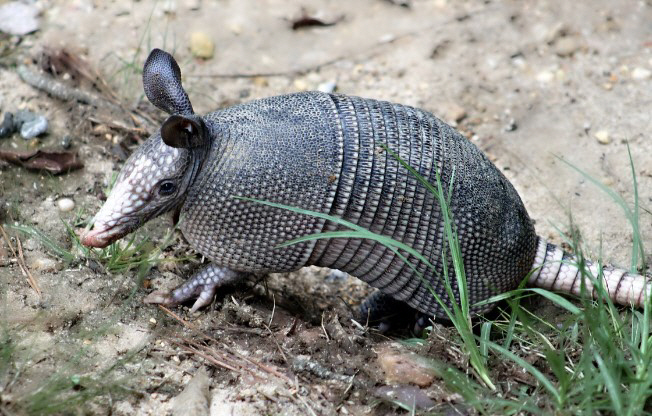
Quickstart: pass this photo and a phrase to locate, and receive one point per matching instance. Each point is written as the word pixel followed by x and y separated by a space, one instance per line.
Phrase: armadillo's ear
pixel 182 131
pixel 162 83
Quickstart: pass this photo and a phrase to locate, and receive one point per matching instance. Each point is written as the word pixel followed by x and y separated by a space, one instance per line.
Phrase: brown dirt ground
pixel 557 72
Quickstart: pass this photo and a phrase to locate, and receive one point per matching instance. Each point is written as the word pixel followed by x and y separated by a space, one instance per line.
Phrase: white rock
pixel 192 4
pixel 169 6
pixel 235 28
pixel 545 76
pixel 387 38
pixel 327 87
pixel 641 74
pixel 65 204
pixel 602 136
pixel 301 85
pixel 17 18
pixel 566 46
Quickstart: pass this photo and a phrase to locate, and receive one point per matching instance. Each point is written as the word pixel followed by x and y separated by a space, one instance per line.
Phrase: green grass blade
pixel 65 255
pixel 556 299
pixel 611 384
pixel 631 214
pixel 636 235
pixel 552 296
pixel 538 375
pixel 485 332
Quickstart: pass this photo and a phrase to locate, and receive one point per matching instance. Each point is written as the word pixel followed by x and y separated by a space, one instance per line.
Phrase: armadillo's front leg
pixel 201 285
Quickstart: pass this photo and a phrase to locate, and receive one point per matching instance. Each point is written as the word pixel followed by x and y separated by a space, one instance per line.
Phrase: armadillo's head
pixel 153 181
pixel 157 175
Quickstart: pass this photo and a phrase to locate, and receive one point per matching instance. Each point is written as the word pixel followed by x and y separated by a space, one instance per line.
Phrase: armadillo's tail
pixel 557 270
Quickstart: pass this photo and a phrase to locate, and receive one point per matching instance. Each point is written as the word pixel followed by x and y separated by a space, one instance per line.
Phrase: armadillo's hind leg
pixel 201 285
pixel 387 313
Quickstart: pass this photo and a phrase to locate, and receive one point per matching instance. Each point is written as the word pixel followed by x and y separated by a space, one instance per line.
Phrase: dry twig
pixel 21 262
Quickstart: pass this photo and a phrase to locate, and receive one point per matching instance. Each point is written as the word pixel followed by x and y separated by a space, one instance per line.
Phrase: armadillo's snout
pixel 98 238
pixel 104 233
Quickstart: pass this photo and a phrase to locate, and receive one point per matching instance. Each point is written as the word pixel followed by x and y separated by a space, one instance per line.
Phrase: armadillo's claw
pixel 160 297
pixel 203 285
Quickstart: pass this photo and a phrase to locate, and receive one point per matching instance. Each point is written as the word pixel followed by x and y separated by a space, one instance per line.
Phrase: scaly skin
pixel 325 153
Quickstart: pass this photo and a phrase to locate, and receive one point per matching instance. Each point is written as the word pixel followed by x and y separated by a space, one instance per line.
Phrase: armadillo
pixel 327 153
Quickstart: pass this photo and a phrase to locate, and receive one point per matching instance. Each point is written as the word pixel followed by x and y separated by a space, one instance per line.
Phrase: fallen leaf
pixel 308 21
pixel 52 161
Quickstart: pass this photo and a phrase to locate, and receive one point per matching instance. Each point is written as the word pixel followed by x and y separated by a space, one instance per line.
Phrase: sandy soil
pixel 529 82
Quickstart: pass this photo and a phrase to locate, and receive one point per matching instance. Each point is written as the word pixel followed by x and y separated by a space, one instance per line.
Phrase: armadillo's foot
pixel 387 313
pixel 201 285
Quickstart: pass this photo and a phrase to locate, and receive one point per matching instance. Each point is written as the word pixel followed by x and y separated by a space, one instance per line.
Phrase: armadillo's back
pixel 496 236
pixel 324 153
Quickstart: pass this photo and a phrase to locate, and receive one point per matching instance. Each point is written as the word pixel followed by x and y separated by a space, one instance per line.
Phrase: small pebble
pixel 101 129
pixel 511 125
pixel 455 113
pixel 640 74
pixel 603 137
pixel 23 116
pixel 169 6
pixel 201 45
pixel 387 38
pixel 566 46
pixel 545 76
pixel 301 85
pixel 66 204
pixel 235 28
pixel 34 128
pixel 18 18
pixel 192 4
pixel 260 81
pixel 327 87
pixel 8 126
pixel 66 141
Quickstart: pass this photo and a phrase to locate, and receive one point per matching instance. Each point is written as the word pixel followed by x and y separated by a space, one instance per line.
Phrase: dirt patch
pixel 526 81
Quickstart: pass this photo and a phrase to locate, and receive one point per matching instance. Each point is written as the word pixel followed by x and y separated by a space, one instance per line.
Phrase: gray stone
pixel 8 126
pixel 18 18
pixel 34 127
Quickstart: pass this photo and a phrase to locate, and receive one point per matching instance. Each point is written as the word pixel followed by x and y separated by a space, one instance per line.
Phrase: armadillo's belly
pixel 284 149
pixel 496 236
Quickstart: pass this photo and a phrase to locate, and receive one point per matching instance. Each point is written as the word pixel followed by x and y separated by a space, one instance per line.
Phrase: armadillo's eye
pixel 167 188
